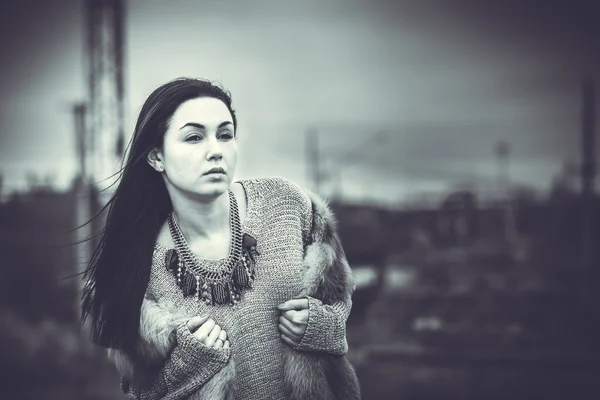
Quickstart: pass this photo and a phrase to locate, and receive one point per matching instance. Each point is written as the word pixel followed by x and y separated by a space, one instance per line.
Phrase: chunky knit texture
pixel 279 216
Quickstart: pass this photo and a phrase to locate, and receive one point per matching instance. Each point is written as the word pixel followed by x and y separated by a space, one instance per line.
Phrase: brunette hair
pixel 119 270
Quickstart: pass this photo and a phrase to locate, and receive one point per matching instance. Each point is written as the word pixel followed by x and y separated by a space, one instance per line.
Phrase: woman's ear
pixel 154 159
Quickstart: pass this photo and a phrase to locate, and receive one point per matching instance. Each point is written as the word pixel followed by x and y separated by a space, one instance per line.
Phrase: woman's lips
pixel 215 171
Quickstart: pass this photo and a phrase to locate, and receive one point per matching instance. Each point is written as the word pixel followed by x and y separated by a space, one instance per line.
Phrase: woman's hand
pixel 208 332
pixel 293 320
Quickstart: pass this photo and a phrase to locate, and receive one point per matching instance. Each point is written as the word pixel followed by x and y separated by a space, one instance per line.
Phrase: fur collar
pixel 328 278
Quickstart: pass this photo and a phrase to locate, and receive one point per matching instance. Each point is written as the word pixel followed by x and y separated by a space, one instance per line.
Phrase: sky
pixel 407 97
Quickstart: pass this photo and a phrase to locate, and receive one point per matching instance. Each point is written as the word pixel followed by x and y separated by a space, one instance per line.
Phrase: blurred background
pixel 457 142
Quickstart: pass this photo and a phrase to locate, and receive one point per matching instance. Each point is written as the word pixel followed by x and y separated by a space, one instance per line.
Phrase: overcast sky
pixel 444 79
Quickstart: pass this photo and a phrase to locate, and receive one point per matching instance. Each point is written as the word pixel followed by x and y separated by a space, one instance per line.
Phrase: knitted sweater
pixel 279 216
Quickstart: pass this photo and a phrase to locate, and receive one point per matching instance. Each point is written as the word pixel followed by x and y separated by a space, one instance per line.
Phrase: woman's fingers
pixel 195 322
pixel 297 317
pixel 293 320
pixel 288 341
pixel 294 304
pixel 213 336
pixel 285 331
pixel 221 340
pixel 203 332
pixel 207 331
pixel 302 316
pixel 296 330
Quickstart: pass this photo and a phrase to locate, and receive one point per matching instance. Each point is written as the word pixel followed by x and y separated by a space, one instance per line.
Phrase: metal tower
pixel 105 49
pixel 99 120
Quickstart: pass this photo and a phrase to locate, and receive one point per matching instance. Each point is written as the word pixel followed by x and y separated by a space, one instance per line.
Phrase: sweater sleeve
pixel 326 328
pixel 188 367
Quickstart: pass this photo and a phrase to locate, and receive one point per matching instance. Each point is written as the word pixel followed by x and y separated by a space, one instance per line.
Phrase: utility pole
pixel 82 191
pixel 502 151
pixel 79 112
pixel 353 155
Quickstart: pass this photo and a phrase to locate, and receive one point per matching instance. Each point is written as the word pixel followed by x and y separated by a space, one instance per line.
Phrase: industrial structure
pixel 99 120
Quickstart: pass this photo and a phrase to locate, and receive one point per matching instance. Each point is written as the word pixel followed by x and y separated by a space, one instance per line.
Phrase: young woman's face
pixel 199 151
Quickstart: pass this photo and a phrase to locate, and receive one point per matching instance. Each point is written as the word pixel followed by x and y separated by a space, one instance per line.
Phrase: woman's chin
pixel 213 188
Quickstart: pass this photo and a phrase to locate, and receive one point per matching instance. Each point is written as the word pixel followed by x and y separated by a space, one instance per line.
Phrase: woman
pixel 208 289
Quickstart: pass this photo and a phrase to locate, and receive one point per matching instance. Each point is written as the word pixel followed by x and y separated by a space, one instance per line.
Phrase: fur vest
pixel 308 375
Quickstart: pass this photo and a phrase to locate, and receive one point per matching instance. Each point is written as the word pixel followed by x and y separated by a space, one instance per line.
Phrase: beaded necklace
pixel 224 282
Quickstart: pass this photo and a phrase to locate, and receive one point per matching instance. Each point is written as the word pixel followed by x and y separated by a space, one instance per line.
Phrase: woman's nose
pixel 216 156
pixel 214 150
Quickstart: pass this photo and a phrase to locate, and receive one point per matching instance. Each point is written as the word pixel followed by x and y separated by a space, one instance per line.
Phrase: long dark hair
pixel 119 270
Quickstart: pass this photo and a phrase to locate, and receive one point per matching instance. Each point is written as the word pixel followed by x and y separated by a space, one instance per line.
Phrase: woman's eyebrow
pixel 200 126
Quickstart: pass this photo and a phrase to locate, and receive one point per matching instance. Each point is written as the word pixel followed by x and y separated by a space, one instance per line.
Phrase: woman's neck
pixel 201 218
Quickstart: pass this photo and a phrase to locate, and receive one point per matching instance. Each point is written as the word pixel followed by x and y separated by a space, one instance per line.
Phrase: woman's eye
pixel 226 136
pixel 193 138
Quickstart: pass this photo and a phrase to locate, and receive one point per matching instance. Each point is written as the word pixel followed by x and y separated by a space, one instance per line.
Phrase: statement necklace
pixel 223 282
